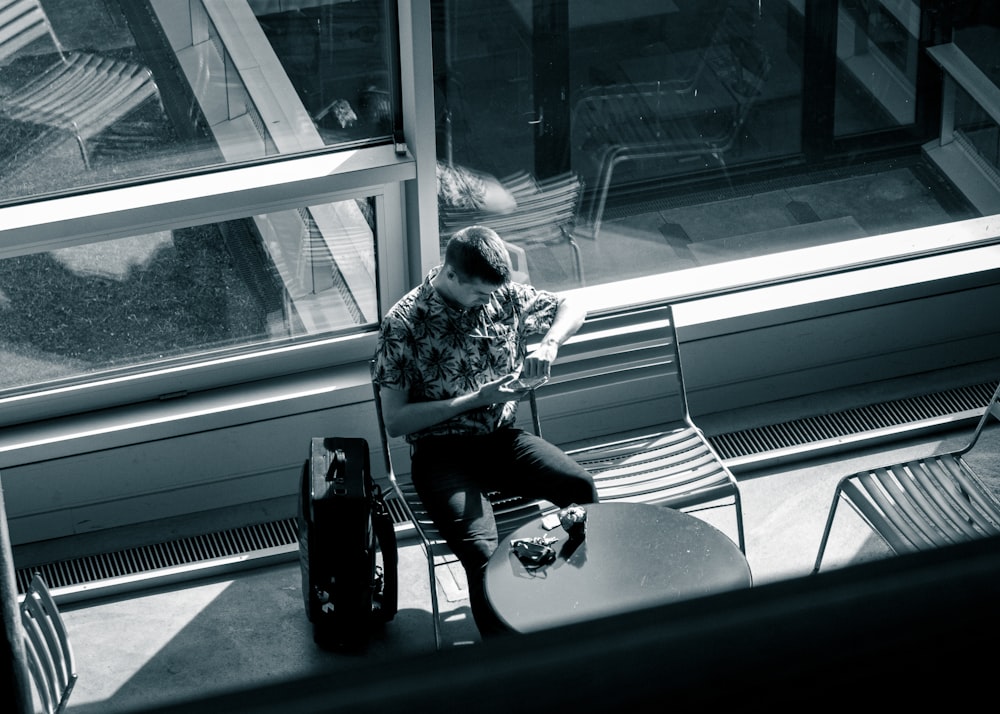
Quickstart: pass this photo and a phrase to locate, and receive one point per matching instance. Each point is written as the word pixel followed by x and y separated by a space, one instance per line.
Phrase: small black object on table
pixel 633 556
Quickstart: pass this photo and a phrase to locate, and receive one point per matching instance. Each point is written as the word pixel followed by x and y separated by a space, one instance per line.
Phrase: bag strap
pixel 387 601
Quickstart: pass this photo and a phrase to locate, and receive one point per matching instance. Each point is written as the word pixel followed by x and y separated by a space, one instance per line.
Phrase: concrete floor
pixel 219 633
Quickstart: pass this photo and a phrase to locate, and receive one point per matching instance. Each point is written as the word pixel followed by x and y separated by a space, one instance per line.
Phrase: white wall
pixel 69 480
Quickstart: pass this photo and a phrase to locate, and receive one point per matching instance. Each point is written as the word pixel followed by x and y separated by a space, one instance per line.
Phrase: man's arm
pixel 569 317
pixel 405 417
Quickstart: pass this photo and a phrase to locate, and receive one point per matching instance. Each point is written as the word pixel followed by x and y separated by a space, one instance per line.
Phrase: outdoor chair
pixel 510 513
pixel 629 361
pixel 80 93
pixel 546 214
pixel 700 116
pixel 633 359
pixel 924 503
pixel 47 647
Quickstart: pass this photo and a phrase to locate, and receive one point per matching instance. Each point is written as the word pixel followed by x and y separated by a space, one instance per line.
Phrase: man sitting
pixel 446 358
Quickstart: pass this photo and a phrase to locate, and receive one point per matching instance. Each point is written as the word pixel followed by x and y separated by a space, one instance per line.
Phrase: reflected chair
pixel 47 647
pixel 632 358
pixel 700 116
pixel 545 215
pixel 925 503
pixel 80 93
pixel 510 512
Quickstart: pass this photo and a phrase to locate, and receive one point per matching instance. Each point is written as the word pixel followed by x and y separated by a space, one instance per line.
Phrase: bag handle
pixel 338 466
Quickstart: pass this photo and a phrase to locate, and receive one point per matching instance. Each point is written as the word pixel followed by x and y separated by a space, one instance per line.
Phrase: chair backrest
pixel 992 410
pixel 544 210
pixel 47 647
pixel 620 371
pixel 21 23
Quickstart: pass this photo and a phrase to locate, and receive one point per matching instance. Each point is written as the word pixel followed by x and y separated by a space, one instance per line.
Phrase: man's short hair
pixel 477 253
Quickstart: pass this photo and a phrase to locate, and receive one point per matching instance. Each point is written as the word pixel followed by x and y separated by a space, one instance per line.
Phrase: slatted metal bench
pixel 924 503
pixel 81 93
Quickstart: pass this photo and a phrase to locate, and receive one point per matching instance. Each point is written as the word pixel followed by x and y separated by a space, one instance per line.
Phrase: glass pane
pixel 98 91
pixel 636 100
pixel 978 131
pixel 977 34
pixel 267 279
pixel 877 46
pixel 665 90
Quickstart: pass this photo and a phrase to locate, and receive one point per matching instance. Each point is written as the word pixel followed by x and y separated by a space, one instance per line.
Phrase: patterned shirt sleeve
pixel 538 308
pixel 391 362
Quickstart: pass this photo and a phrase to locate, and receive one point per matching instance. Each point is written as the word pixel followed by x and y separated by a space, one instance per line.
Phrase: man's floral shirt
pixel 434 351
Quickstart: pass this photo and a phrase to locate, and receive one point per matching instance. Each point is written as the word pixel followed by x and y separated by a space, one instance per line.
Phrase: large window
pixel 102 91
pixel 189 184
pixel 147 300
pixel 703 132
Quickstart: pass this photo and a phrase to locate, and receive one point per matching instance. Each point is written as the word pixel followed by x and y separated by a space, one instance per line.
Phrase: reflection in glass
pixel 977 130
pixel 978 36
pixel 153 88
pixel 877 46
pixel 681 127
pixel 628 100
pixel 187 293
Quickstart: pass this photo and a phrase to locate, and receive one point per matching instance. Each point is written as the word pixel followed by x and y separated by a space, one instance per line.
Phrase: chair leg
pixel 576 257
pixel 737 502
pixel 608 161
pixel 435 609
pixel 826 531
pixel 83 151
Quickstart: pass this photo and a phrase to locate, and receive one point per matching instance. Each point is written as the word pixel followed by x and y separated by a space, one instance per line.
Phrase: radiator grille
pixel 245 546
pixel 162 556
pixel 277 539
pixel 856 424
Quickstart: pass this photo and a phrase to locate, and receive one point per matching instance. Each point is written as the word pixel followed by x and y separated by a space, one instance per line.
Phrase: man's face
pixel 469 293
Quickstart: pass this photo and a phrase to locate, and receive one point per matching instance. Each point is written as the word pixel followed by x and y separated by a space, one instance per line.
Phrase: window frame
pixel 407 246
pixel 193 200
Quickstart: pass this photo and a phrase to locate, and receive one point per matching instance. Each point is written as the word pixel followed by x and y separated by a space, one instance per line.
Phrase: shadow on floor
pixel 224 633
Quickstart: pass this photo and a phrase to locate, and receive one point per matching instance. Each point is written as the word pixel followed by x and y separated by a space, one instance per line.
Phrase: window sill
pixel 194 413
pixel 236 192
pixel 742 289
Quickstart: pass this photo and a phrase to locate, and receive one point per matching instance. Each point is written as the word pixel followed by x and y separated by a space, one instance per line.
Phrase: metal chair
pixel 671 118
pixel 545 215
pixel 510 513
pixel 924 503
pixel 633 357
pixel 49 654
pixel 626 361
pixel 80 93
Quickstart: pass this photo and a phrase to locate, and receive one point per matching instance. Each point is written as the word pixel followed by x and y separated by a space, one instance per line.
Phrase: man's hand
pixel 539 362
pixel 494 392
pixel 405 417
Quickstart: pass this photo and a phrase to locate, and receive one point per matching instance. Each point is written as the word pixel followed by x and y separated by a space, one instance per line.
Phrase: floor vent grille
pixel 275 538
pixel 163 556
pixel 852 425
pixel 133 568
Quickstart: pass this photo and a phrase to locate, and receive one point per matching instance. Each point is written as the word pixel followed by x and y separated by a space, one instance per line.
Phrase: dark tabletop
pixel 633 556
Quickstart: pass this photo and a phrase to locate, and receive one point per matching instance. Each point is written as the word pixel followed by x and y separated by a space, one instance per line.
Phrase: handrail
pixel 968 76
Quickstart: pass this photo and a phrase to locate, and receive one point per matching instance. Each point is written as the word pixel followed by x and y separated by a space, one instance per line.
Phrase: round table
pixel 634 556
